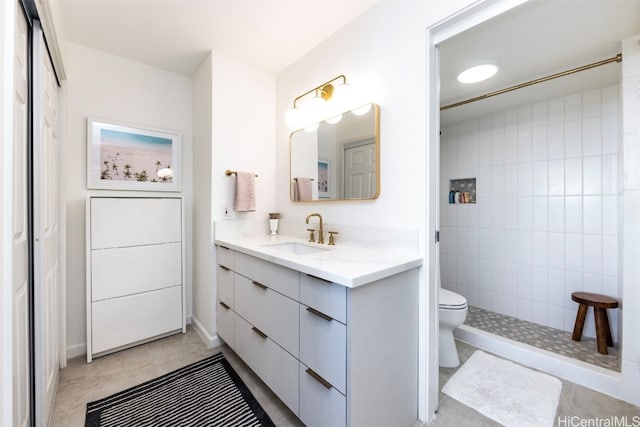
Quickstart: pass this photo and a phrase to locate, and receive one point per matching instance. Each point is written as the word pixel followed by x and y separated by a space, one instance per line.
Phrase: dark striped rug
pixel 206 393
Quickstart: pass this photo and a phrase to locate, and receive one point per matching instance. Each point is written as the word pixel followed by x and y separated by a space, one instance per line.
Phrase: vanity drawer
pixel 272 313
pixel 224 256
pixel 224 316
pixel 323 346
pixel 281 279
pixel 277 368
pixel 225 285
pixel 324 296
pixel 321 405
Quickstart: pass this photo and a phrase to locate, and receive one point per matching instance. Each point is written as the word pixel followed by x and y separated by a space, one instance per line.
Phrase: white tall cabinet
pixel 135 271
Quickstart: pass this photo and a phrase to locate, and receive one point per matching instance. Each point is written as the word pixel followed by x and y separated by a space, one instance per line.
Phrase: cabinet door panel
pixel 323 347
pixel 281 279
pixel 224 317
pixel 120 321
pixel 327 297
pixel 273 313
pixel 320 406
pixel 225 285
pixel 118 222
pixel 276 367
pixel 127 271
pixel 224 256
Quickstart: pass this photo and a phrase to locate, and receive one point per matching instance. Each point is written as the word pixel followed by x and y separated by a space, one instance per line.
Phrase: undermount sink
pixel 293 248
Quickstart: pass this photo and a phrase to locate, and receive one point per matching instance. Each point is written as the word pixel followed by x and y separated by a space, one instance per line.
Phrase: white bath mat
pixel 510 394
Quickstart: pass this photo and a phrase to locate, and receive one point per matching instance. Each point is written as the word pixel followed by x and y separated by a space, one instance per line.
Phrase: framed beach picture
pixel 124 157
pixel 323 179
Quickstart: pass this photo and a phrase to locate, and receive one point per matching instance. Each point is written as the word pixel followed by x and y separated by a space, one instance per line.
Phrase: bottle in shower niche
pixel 274 218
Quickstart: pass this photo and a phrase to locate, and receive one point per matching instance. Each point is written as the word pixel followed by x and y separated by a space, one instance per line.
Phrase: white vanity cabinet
pixel 135 273
pixel 336 356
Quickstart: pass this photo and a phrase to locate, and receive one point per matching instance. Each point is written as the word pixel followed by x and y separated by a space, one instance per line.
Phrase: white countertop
pixel 347 265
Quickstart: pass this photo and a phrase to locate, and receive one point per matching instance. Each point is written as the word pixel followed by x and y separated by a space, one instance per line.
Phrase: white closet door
pixel 20 236
pixel 360 171
pixel 46 195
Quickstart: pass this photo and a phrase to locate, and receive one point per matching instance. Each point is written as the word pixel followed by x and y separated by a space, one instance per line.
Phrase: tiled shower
pixel 546 219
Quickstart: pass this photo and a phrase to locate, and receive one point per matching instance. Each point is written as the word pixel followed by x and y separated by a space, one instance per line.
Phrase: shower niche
pixel 462 190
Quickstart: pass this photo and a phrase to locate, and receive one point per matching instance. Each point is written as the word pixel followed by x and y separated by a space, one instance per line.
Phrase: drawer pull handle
pixel 326 384
pixel 223 247
pixel 260 285
pixel 259 332
pixel 225 268
pixel 224 305
pixel 319 278
pixel 319 314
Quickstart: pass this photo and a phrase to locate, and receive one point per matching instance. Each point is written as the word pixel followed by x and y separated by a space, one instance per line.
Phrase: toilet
pixel 452 311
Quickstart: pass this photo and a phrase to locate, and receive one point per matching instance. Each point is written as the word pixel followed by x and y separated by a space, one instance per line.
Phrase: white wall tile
pixel 556 250
pixel 573 138
pixel 573 176
pixel 525 151
pixel 592 215
pixel 555 140
pixel 610 174
pixel 484 212
pixel 484 125
pixel 540 214
pixel 573 107
pixel 497 148
pixel 573 214
pixel 610 99
pixel 591 103
pixel 572 283
pixel 539 142
pixel 592 253
pixel 525 247
pixel 610 133
pixel 511 120
pixel 525 213
pixel 539 313
pixel 497 243
pixel 473 242
pixel 555 317
pixel 511 146
pixel 610 259
pixel 556 214
pixel 573 252
pixel 539 114
pixel 555 110
pixel 525 309
pixel 524 116
pixel 497 181
pixel 611 286
pixel 631 161
pixel 539 285
pixel 592 136
pixel 539 247
pixel 510 285
pixel 555 287
pixel 511 180
pixel 511 246
pixel 484 153
pixel 556 177
pixel 610 215
pixel 525 181
pixel 511 213
pixel 497 122
pixel 540 181
pixel 592 174
pixel 592 283
pixel 498 214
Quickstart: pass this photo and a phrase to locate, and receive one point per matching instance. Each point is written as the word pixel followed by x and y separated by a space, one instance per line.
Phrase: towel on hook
pixel 245 191
pixel 303 187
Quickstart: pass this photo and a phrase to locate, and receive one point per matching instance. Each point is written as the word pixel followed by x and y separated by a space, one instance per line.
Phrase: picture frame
pixel 324 179
pixel 130 157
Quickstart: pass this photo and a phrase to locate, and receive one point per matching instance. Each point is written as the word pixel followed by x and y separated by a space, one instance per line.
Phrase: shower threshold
pixel 543 337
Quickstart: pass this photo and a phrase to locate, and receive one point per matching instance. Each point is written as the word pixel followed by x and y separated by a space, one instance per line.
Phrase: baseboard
pixel 209 340
pixel 76 350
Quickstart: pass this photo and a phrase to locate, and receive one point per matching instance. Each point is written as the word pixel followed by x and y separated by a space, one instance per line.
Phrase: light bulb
pixel 477 74
pixel 361 111
pixel 294 117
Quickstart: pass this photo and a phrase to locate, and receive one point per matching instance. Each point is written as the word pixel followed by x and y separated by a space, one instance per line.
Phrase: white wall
pixel 546 219
pixel 203 311
pixel 118 89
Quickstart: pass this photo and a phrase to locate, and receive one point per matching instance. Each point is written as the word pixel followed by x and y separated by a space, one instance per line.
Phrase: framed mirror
pixel 337 161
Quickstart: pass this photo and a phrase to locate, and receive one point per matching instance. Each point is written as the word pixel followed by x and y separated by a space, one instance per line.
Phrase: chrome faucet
pixel 320 230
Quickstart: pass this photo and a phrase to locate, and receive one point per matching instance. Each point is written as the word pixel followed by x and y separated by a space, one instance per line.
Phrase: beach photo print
pixel 123 157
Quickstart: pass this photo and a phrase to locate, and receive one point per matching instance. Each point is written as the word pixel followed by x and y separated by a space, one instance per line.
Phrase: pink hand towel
pixel 305 193
pixel 245 191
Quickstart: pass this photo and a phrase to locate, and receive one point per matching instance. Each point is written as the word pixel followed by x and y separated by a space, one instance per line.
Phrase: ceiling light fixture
pixel 477 74
pixel 324 102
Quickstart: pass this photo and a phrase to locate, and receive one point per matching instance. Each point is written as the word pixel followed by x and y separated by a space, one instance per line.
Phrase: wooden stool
pixel 600 303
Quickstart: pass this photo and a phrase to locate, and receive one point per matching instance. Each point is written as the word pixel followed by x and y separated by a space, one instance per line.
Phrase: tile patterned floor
pixel 80 383
pixel 543 337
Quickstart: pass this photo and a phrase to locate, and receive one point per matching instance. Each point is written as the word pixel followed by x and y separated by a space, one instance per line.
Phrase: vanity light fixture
pixel 477 74
pixel 324 102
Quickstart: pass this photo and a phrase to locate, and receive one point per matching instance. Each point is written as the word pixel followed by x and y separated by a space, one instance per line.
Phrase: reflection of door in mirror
pixel 360 170
pixel 341 158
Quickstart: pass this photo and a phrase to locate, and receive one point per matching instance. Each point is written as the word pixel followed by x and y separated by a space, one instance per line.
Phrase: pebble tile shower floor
pixel 543 337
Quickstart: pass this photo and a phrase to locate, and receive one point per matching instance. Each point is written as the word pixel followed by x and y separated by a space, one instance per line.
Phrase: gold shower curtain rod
pixel 617 58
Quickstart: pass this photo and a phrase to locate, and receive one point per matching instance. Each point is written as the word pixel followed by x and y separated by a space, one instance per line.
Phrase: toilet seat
pixel 448 300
